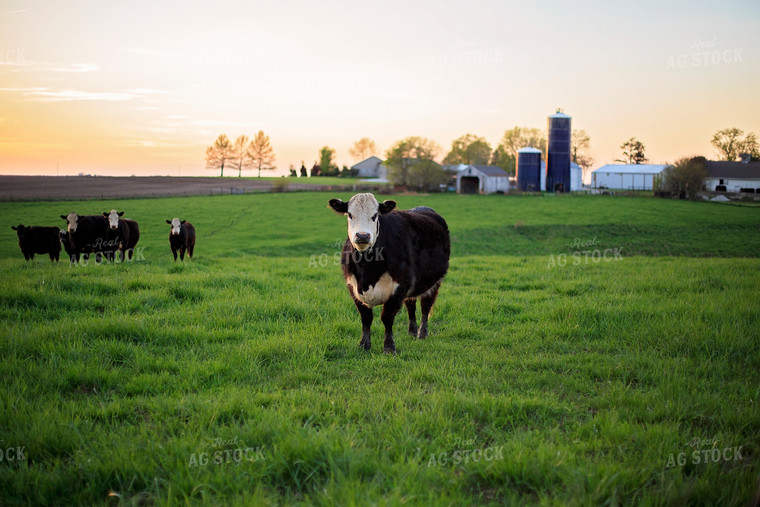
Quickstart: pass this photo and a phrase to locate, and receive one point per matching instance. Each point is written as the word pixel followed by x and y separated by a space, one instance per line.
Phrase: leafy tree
pixel 504 159
pixel 633 152
pixel 730 144
pixel 219 153
pixel 315 170
pixel 363 148
pixel 515 139
pixel 303 170
pixel 425 174
pixel 326 165
pixel 292 170
pixel 403 154
pixel 261 153
pixel 685 178
pixel 241 159
pixel 469 149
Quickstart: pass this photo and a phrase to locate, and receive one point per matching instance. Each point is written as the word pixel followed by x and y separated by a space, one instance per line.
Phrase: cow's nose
pixel 362 237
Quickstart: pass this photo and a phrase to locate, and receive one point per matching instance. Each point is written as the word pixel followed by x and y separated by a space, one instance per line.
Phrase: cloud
pixel 76 67
pixel 77 95
pixel 21 63
pixel 148 52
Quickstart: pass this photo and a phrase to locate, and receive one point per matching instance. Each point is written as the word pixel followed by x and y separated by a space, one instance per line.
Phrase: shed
pixel 481 179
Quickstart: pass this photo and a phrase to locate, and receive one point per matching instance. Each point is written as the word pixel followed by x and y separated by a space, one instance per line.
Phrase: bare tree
pixel 633 152
pixel 261 153
pixel 219 153
pixel 730 144
pixel 580 144
pixel 363 148
pixel 241 159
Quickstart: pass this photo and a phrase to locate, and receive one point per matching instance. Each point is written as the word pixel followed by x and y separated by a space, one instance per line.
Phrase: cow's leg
pixel 190 251
pixel 174 252
pixel 182 253
pixel 411 309
pixel 426 304
pixel 367 315
pixel 390 309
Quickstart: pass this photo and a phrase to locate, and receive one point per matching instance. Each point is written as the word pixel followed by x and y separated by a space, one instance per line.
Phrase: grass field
pixel 583 351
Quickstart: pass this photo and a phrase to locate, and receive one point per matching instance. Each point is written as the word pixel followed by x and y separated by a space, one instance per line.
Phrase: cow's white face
pixel 72 220
pixel 362 211
pixel 113 219
pixel 176 223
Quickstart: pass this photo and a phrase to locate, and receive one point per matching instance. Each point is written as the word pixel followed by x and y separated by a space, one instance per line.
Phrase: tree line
pixel 412 161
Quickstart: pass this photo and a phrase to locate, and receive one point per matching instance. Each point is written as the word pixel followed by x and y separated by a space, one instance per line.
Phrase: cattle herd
pixel 390 257
pixel 107 236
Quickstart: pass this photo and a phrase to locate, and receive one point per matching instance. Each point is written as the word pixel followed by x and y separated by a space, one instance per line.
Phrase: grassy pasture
pixel 552 374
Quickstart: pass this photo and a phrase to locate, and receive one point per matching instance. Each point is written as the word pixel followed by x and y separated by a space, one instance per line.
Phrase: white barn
pixel 626 176
pixel 371 167
pixel 481 179
pixel 733 176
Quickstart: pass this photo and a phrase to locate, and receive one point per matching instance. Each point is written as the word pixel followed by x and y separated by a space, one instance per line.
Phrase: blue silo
pixel 529 169
pixel 558 153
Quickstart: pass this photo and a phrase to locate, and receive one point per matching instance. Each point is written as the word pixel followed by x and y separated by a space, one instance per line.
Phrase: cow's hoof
pixel 413 330
pixel 364 345
pixel 389 351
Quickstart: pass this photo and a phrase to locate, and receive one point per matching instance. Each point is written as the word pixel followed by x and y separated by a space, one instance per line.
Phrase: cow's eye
pixel 374 217
pixel 349 216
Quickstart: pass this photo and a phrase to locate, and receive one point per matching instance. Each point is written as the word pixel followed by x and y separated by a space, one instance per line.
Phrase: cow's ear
pixel 169 222
pixel 14 227
pixel 121 213
pixel 106 214
pixel 64 217
pixel 338 205
pixel 183 222
pixel 386 207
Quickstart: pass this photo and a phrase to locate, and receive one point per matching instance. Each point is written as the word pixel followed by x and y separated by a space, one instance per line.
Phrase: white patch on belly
pixel 377 294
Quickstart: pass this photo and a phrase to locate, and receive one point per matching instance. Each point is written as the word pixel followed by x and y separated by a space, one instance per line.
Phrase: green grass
pixel 580 381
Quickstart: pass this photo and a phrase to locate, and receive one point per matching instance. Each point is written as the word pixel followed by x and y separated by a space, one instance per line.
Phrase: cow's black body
pixel 413 247
pixel 184 241
pixel 118 239
pixel 64 237
pixel 90 235
pixel 134 236
pixel 38 240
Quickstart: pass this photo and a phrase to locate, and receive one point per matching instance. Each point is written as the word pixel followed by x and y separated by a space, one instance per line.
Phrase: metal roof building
pixel 626 176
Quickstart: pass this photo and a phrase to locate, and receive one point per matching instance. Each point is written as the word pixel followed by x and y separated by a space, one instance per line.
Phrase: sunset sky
pixel 120 88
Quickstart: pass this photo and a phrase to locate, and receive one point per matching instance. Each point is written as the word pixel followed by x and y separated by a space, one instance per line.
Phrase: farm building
pixel 741 176
pixel 481 179
pixel 626 176
pixel 371 168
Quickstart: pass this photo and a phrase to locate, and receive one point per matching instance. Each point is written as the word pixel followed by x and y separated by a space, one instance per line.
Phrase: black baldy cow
pixel 117 234
pixel 181 238
pixel 391 258
pixel 64 236
pixel 123 233
pixel 87 233
pixel 38 240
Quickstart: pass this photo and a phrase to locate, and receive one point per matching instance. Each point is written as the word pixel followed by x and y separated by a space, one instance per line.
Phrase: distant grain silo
pixel 558 153
pixel 529 169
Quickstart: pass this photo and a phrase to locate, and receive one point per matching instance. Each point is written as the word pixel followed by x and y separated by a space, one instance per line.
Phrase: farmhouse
pixel 481 179
pixel 741 176
pixel 626 176
pixel 371 167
